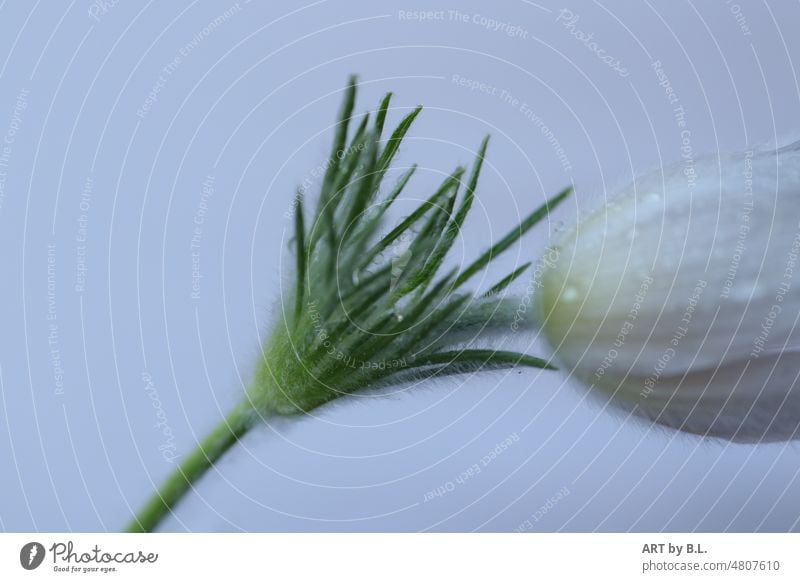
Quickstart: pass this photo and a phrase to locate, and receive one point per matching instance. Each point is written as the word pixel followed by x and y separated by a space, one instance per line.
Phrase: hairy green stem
pixel 358 306
pixel 211 448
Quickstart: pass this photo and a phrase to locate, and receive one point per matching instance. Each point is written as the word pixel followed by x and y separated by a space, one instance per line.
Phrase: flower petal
pixel 686 272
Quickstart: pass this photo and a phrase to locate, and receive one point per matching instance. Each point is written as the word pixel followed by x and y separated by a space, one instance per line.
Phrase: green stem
pixel 210 449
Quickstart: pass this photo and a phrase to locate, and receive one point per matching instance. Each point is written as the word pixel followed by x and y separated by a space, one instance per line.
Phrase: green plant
pixel 356 318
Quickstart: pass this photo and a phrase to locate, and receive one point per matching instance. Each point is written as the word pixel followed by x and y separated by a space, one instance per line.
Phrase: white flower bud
pixel 680 298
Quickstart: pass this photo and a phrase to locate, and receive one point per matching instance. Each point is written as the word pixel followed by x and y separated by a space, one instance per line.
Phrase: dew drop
pixel 570 294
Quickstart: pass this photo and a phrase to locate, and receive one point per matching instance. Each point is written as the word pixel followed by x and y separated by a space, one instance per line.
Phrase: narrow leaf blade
pixel 507 280
pixel 300 243
pixel 512 236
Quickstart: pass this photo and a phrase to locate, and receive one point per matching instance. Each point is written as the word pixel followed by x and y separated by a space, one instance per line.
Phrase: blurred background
pixel 149 157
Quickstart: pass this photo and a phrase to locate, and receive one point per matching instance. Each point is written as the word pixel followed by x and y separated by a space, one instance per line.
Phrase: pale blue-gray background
pixel 251 103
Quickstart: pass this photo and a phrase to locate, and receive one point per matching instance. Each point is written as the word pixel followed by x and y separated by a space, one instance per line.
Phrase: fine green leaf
pixel 512 236
pixel 300 244
pixel 381 298
pixel 507 280
pixel 483 358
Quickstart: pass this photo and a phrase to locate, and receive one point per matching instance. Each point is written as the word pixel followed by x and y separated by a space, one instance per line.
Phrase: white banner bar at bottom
pixel 389 557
